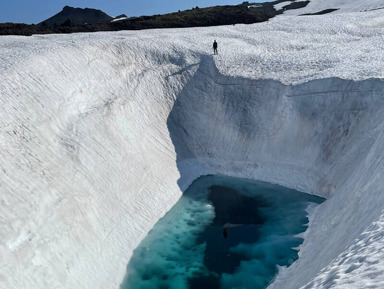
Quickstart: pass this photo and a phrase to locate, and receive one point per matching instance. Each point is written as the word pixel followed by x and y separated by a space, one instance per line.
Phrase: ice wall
pixel 100 133
pixel 87 165
pixel 319 137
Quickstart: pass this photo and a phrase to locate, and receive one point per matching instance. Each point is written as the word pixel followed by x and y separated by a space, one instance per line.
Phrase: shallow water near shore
pixel 223 233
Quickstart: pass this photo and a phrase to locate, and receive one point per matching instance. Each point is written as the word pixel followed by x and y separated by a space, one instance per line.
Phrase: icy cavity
pixel 186 248
pixel 88 161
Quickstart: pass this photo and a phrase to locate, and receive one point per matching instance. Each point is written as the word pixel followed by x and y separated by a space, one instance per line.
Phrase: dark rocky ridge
pixel 196 17
pixel 77 16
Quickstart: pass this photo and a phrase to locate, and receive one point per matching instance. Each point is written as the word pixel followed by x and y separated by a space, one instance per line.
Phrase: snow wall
pixel 100 136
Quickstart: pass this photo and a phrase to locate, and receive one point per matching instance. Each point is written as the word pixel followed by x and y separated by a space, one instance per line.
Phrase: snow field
pixel 100 133
pixel 281 5
pixel 343 6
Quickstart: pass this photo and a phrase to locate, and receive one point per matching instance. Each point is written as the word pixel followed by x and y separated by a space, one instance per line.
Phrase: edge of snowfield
pixel 100 133
pixel 342 6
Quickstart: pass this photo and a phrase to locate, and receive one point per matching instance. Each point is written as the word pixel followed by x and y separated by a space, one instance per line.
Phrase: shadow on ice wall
pixel 321 135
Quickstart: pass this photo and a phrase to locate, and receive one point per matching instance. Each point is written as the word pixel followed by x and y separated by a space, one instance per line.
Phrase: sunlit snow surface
pixel 343 6
pixel 223 233
pixel 91 159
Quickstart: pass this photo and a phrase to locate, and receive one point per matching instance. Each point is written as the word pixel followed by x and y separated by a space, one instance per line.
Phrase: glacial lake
pixel 223 233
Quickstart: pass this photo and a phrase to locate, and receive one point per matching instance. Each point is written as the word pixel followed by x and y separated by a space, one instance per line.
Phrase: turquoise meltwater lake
pixel 223 233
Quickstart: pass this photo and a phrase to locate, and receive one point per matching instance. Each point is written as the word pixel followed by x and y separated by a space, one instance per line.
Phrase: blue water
pixel 223 233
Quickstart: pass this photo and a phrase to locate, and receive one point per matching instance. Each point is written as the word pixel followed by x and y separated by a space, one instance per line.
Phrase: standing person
pixel 215 47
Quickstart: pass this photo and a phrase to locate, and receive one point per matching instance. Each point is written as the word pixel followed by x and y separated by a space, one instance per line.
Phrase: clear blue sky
pixel 35 11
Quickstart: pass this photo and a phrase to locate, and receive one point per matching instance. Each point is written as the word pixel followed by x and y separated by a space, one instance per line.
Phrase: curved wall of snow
pixel 87 164
pixel 323 136
pixel 100 136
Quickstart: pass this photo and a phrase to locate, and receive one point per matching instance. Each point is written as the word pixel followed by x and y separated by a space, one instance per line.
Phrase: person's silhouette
pixel 225 233
pixel 215 47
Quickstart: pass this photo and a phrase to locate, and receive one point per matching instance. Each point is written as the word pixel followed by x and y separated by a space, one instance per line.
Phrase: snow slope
pixel 344 6
pixel 100 134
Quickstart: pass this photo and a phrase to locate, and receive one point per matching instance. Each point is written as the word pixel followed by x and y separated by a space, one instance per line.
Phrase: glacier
pixel 101 133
